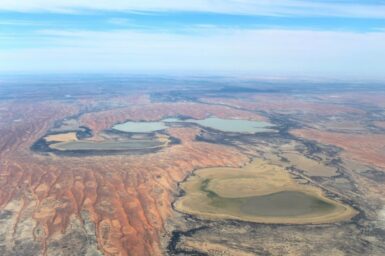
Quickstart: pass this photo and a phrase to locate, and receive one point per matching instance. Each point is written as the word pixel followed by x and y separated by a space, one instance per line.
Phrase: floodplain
pixel 315 186
pixel 258 192
pixel 228 125
pixel 112 141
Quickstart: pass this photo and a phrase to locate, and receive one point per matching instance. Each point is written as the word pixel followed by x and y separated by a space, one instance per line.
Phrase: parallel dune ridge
pixel 122 204
pixel 367 148
pixel 125 198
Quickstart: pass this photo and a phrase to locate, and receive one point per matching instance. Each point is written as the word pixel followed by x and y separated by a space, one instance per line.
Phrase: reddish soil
pixel 368 148
pixel 380 124
pixel 128 197
pixel 284 104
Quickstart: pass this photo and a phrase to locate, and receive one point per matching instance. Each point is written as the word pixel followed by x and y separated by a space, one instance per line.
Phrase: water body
pixel 285 204
pixel 279 204
pixel 220 124
pixel 142 127
pixel 108 145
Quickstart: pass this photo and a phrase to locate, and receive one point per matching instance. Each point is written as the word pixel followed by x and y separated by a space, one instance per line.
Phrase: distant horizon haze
pixel 285 38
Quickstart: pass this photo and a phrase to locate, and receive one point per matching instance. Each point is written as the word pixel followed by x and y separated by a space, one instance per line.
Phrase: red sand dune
pixel 128 197
pixel 368 148
pixel 284 104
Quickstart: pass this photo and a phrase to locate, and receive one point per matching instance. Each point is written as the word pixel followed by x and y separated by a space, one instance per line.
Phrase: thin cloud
pixel 120 21
pixel 231 51
pixel 249 7
pixel 23 23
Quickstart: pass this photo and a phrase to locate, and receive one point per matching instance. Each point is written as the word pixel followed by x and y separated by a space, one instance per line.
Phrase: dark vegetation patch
pixel 174 249
pixel 5 214
pixel 375 175
pixel 84 133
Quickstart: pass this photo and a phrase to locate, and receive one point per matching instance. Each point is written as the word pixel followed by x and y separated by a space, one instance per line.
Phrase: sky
pixel 262 38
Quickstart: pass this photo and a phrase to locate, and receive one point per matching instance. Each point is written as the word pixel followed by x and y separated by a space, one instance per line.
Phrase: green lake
pixel 285 204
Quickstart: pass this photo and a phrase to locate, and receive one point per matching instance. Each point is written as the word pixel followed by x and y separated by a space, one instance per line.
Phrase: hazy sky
pixel 329 38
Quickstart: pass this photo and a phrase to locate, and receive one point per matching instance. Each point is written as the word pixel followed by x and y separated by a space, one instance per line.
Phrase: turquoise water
pixel 145 127
pixel 220 124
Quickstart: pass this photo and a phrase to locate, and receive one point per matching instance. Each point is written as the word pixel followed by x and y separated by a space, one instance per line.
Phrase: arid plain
pixel 78 176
